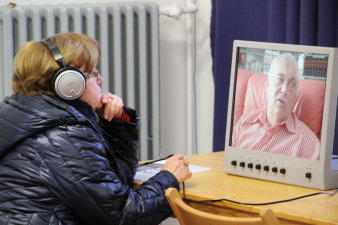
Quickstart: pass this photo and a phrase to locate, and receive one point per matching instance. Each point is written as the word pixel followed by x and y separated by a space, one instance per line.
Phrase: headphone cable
pixel 264 203
pixel 153 161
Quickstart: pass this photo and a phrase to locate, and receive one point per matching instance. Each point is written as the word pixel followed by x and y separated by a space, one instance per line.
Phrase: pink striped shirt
pixel 291 137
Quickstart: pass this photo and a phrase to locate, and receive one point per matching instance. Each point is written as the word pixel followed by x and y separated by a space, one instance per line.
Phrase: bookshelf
pixel 312 66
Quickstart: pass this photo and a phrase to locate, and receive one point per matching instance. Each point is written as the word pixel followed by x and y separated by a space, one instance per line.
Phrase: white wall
pixel 177 80
pixel 181 120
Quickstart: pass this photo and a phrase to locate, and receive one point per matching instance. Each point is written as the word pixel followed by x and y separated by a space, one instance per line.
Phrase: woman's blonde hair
pixel 34 65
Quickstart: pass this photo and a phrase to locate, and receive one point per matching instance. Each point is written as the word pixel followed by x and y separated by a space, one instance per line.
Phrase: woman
pixel 73 161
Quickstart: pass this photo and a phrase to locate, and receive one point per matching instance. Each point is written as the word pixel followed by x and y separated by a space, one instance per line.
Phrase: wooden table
pixel 216 184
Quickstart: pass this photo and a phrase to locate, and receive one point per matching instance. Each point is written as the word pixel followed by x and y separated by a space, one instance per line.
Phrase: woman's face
pixel 92 93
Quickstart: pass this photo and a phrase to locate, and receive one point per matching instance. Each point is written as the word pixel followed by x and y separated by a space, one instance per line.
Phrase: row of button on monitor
pixel 266 168
pixel 259 167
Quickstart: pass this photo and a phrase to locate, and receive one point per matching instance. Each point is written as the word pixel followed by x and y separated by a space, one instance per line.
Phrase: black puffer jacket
pixel 60 165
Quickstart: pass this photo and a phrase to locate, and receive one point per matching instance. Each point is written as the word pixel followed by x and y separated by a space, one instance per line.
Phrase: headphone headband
pixel 53 48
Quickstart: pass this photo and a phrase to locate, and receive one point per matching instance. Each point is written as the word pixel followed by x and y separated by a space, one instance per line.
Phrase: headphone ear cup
pixel 69 83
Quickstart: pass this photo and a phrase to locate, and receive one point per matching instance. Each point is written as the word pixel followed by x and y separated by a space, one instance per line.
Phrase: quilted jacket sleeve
pixel 123 138
pixel 75 167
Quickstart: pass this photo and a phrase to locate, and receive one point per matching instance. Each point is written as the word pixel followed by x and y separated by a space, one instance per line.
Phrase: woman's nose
pixel 99 79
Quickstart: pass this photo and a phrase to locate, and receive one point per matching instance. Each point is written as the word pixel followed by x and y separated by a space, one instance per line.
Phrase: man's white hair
pixel 289 57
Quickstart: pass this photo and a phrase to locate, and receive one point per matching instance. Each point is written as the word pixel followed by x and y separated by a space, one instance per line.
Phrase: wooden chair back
pixel 187 215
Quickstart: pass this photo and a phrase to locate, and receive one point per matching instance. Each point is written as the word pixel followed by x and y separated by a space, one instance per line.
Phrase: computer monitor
pixel 282 114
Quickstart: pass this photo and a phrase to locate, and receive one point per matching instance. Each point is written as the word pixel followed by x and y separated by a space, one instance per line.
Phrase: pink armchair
pixel 251 94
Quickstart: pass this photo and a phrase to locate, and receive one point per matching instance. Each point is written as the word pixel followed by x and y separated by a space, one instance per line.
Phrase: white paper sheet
pixel 145 172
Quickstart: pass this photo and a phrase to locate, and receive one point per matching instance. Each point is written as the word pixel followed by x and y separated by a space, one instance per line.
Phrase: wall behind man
pixel 186 80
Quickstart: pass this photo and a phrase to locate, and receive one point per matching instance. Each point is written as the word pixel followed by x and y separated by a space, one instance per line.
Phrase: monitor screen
pixel 282 110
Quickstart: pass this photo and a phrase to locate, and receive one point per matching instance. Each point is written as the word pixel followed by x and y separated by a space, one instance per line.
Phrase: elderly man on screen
pixel 276 128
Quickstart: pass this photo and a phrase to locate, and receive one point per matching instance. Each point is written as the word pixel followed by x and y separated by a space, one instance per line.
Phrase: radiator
pixel 129 40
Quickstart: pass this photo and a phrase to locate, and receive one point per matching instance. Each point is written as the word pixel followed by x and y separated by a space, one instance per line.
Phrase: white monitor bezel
pixel 322 177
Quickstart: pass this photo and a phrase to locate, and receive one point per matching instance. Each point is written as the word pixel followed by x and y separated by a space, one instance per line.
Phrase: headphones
pixel 68 82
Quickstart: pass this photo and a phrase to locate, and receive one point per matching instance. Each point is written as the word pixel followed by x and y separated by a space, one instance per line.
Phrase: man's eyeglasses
pixel 94 73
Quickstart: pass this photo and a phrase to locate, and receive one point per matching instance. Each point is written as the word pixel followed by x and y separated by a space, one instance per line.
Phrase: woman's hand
pixel 112 106
pixel 178 168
